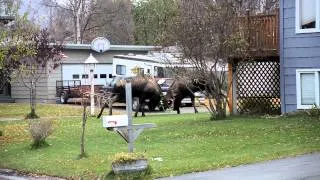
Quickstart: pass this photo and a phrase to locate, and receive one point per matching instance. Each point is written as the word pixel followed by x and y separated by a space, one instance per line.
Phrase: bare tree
pixel 84 102
pixel 115 22
pixel 208 35
pixel 255 6
pixel 89 19
pixel 79 10
pixel 44 59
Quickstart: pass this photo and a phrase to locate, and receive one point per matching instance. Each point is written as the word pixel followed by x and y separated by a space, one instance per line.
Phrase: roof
pixel 114 47
pixel 149 58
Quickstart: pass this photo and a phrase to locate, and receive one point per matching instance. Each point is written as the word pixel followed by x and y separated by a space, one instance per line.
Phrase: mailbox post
pixel 129 114
pixel 123 123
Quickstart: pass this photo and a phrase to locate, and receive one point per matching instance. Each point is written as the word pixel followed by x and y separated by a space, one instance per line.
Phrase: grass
pixel 20 110
pixel 185 143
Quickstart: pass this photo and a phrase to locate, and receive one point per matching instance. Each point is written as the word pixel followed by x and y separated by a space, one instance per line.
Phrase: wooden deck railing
pixel 262 33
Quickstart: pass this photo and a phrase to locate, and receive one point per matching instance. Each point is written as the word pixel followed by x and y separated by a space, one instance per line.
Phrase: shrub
pixel 0 133
pixel 40 130
pixel 126 157
pixel 313 112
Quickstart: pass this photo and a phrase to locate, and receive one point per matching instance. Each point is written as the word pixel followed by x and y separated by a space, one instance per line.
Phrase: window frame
pixel 121 68
pixel 85 76
pixel 298 87
pixel 75 76
pixel 297 19
pixel 103 76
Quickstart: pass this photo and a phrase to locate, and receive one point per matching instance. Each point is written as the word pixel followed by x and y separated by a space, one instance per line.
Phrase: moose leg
pixel 193 104
pixel 176 105
pixel 101 111
pixel 111 101
pixel 142 107
pixel 137 108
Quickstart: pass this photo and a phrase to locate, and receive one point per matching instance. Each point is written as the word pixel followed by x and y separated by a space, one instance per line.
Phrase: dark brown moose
pixel 181 89
pixel 143 88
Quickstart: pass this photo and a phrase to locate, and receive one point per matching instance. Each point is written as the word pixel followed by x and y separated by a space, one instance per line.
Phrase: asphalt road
pixel 305 167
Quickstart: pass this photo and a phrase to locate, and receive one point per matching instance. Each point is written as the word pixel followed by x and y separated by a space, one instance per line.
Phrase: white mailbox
pixel 115 121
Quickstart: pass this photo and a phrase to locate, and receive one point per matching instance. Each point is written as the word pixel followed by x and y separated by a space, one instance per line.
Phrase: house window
pixel 307 16
pixel 120 69
pixel 158 72
pixel 110 76
pixel 140 71
pixel 103 76
pixel 85 76
pixel 95 76
pixel 308 88
pixel 75 76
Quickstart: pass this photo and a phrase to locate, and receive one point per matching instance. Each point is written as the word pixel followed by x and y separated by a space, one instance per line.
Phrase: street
pixel 305 167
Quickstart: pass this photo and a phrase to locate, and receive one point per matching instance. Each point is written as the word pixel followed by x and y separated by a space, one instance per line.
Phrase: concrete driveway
pixel 305 167
pixel 183 110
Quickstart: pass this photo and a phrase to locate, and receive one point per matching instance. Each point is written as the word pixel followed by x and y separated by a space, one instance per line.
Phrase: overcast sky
pixel 36 10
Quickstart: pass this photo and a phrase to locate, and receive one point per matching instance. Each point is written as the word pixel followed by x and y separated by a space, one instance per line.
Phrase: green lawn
pixel 20 110
pixel 186 143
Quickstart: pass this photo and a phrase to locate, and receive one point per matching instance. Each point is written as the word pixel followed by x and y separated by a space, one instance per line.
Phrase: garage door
pixel 102 73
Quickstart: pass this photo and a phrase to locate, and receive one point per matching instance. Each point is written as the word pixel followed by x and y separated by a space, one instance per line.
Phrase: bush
pixel 126 157
pixel 40 130
pixel 0 133
pixel 313 112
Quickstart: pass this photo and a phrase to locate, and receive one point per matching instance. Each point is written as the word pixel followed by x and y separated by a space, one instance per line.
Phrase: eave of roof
pixel 138 57
pixel 114 47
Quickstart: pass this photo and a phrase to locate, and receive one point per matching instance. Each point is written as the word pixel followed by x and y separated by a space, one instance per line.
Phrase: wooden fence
pixel 262 32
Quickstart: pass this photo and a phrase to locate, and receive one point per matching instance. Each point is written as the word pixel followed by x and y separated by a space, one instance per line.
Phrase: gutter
pixel 282 68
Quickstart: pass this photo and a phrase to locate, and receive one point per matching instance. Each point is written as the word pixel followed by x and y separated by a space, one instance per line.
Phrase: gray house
pixel 299 54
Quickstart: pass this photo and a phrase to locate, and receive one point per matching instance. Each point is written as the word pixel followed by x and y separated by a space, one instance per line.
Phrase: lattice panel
pixel 258 87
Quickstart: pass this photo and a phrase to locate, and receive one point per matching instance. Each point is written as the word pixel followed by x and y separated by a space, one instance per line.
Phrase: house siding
pixel 46 86
pixel 22 94
pixel 298 51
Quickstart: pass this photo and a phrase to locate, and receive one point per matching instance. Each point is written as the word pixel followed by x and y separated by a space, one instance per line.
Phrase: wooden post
pixel 234 93
pixel 92 93
pixel 129 113
pixel 230 97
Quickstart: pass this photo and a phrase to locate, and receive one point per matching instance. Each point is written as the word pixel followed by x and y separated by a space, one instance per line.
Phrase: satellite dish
pixel 100 44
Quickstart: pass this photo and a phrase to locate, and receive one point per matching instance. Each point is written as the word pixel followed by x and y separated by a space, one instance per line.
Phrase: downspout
pixel 282 68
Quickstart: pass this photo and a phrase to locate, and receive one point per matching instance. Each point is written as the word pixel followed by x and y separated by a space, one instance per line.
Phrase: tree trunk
pixel 78 29
pixel 32 101
pixel 220 108
pixel 84 120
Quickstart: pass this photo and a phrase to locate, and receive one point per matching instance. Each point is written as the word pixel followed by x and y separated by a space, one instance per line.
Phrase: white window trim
pixel 297 16
pixel 298 87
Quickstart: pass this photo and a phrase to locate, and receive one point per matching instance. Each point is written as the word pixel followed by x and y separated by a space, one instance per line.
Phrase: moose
pixel 180 89
pixel 143 88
